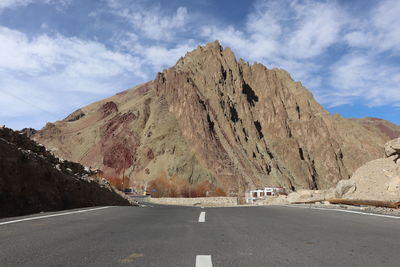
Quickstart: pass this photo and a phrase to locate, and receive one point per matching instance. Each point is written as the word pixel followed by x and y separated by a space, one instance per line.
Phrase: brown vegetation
pixel 116 181
pixel 164 186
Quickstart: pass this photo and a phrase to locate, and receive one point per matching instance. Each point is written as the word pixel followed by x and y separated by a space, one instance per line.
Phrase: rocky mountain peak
pixel 213 118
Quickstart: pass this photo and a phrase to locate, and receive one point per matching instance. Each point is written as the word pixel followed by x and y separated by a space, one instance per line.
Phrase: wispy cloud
pixel 359 78
pixel 343 56
pixel 286 34
pixel 46 71
pixel 150 20
pixel 13 3
pixel 10 4
pixel 153 34
pixel 380 31
pixel 301 37
pixel 368 72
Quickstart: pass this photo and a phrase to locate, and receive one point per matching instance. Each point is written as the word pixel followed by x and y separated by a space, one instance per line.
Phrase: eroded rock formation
pixel 392 149
pixel 211 117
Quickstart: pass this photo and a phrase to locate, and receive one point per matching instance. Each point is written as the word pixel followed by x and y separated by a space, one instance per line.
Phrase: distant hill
pixel 388 129
pixel 213 118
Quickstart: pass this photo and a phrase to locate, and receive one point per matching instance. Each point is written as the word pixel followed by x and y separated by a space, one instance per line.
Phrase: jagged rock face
pixel 213 118
pixel 33 180
pixel 392 148
pixel 29 132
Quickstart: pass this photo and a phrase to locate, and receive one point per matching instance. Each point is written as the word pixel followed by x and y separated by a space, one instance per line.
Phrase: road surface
pixel 194 236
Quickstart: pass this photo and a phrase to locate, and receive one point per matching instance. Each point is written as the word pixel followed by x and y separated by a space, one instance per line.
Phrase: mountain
pixel 388 129
pixel 213 118
pixel 33 180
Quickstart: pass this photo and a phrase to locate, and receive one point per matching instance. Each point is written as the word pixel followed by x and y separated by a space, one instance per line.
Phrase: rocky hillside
pixel 211 117
pixel 386 128
pixel 33 180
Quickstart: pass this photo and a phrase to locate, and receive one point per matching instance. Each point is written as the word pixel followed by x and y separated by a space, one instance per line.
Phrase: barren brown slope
pixel 213 118
pixel 388 129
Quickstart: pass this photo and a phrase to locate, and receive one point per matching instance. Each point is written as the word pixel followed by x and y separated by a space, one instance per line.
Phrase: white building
pixel 259 194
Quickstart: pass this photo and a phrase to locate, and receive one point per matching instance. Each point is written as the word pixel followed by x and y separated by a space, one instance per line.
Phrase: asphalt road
pixel 173 236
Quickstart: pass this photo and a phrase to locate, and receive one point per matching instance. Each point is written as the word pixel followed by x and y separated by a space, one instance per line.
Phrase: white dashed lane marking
pixel 202 217
pixel 203 261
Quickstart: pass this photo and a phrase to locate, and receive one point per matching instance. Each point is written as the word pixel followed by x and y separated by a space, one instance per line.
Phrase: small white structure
pixel 259 194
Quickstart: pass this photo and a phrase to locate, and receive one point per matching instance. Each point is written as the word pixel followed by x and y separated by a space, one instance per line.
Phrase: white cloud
pixel 296 36
pixel 10 4
pixel 363 78
pixel 366 73
pixel 151 21
pixel 36 72
pixel 160 57
pixel 45 55
pixel 154 34
pixel 285 34
pixel 380 31
pixel 285 29
pixel 46 71
pixel 319 25
pixel 337 56
pixel 13 3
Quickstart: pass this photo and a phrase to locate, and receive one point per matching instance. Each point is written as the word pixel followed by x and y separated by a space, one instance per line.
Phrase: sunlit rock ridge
pixel 211 117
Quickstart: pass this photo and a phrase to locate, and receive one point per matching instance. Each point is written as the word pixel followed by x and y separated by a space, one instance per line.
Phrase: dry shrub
pixel 219 192
pixel 114 181
pixel 164 186
pixel 159 187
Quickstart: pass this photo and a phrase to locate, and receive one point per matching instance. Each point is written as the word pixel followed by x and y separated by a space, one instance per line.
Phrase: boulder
pixel 345 187
pixel 376 180
pixel 304 195
pixel 392 148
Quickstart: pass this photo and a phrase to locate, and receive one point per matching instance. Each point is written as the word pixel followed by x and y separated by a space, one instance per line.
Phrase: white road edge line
pixel 349 211
pixel 203 261
pixel 52 215
pixel 202 217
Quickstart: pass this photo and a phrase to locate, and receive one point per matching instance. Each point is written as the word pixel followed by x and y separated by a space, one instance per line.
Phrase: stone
pixel 392 148
pixel 345 187
pixel 376 180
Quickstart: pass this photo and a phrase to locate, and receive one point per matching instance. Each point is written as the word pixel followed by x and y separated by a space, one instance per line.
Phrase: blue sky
pixel 59 55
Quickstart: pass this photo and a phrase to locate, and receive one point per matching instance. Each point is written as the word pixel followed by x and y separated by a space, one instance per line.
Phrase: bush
pixel 220 192
pixel 115 181
pixel 164 186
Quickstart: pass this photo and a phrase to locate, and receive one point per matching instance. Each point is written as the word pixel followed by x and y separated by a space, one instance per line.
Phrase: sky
pixel 59 55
